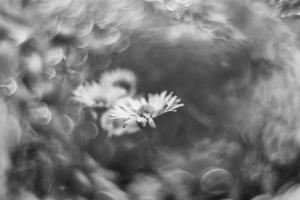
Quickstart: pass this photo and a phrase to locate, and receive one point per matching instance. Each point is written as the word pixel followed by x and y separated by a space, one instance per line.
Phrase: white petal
pixel 151 123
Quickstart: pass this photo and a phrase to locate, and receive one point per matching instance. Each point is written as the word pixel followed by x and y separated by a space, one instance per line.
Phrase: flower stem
pixel 148 133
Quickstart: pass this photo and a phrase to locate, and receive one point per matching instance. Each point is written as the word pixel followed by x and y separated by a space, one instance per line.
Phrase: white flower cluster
pixel 112 86
pixel 115 91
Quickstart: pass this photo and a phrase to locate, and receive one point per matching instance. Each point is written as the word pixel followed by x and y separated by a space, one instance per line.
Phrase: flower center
pixel 146 111
pixel 123 84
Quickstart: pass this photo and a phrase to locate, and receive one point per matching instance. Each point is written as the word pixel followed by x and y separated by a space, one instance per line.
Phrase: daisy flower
pixel 98 95
pixel 143 111
pixel 112 86
pixel 121 78
pixel 114 127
